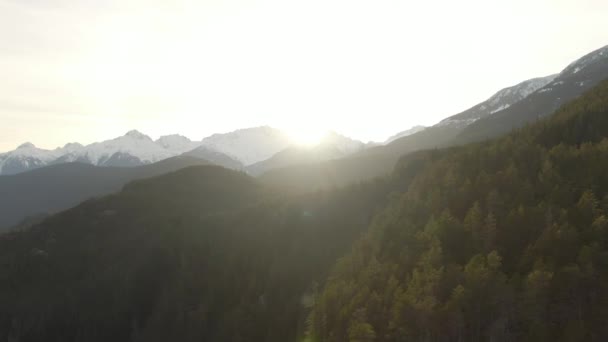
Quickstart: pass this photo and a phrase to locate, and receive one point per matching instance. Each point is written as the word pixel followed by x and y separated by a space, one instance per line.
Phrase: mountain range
pixel 236 150
pixel 508 109
pixel 269 154
pixel 262 149
pixel 504 240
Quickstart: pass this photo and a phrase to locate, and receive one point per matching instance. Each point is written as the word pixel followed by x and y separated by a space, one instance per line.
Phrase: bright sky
pixel 88 70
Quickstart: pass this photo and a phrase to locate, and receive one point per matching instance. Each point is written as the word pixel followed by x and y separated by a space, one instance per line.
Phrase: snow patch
pixel 504 106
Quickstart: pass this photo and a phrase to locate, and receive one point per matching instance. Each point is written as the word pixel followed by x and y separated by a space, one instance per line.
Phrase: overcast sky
pixel 88 70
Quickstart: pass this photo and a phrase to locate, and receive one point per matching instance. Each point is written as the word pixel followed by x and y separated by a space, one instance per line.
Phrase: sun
pixel 306 136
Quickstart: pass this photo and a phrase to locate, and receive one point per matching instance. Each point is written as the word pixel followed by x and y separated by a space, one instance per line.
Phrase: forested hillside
pixel 39 193
pixel 501 241
pixel 202 254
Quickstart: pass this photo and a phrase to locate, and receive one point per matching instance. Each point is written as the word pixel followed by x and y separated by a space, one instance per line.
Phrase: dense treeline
pixel 500 241
pixel 203 254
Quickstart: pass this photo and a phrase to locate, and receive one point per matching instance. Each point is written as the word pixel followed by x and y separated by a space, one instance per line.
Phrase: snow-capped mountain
pixel 574 80
pixel 503 99
pixel 249 145
pixel 232 150
pixel 177 143
pixel 332 146
pixel 405 133
pixel 25 157
pixel 132 149
pixel 510 107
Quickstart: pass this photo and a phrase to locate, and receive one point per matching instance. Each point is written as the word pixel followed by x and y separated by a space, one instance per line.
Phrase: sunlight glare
pixel 306 136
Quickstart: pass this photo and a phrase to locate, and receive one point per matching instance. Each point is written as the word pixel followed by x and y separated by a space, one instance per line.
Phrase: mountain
pixel 578 77
pixel 497 241
pixel 27 156
pixel 201 254
pixel 249 145
pixel 405 133
pixel 57 187
pixel 132 149
pixel 503 99
pixel 442 134
pixel 241 147
pixel 504 240
pixel 332 146
pixel 214 157
pixel 507 109
pixel 378 161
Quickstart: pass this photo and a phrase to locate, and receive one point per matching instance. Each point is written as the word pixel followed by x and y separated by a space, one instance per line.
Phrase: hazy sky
pixel 87 70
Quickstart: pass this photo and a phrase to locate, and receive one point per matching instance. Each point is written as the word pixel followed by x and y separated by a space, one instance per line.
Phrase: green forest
pixel 505 240
pixel 500 241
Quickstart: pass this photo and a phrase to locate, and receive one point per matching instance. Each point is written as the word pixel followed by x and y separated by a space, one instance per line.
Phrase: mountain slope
pixel 249 145
pixel 202 254
pixel 574 80
pixel 379 161
pixel 405 133
pixel 214 157
pixel 58 187
pixel 443 133
pixel 507 109
pixel 332 146
pixel 497 241
pixel 503 99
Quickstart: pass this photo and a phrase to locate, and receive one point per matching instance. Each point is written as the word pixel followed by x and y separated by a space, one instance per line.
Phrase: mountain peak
pixel 174 141
pixel 135 134
pixel 26 145
pixel 249 145
pixel 73 145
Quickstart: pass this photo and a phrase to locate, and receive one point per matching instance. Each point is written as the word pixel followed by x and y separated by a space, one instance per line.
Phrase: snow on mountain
pixel 177 143
pixel 249 145
pixel 133 144
pixel 585 61
pixel 502 100
pixel 132 149
pixel 70 147
pixel 135 148
pixel 232 150
pixel 578 77
pixel 27 156
pixel 405 133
